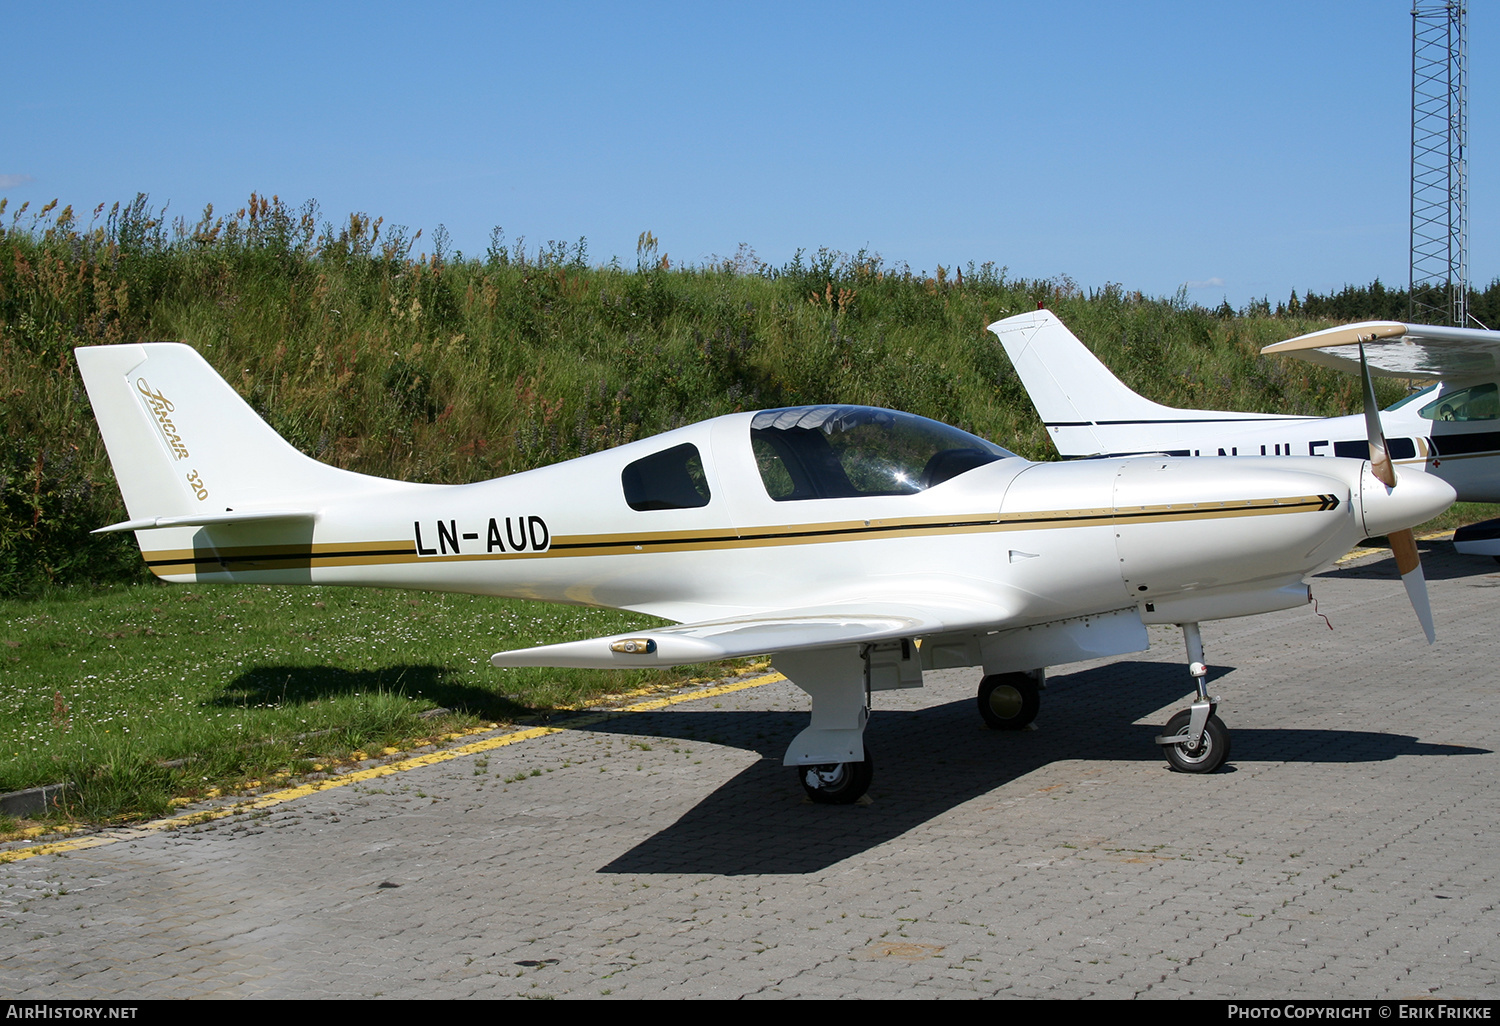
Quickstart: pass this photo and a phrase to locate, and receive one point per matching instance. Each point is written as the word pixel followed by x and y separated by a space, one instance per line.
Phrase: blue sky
pixel 1244 149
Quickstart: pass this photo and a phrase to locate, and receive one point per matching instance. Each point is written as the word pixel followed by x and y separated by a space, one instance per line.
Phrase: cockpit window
pixel 829 452
pixel 670 479
pixel 1481 402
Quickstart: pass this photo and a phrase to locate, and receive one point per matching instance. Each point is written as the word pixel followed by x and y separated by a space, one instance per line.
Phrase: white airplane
pixel 860 546
pixel 1450 429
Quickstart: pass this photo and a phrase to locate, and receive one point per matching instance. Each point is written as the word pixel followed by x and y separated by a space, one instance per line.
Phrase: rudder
pixel 1068 384
pixel 183 442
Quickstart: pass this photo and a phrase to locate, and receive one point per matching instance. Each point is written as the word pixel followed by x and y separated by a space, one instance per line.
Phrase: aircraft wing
pixel 1399 350
pixel 775 631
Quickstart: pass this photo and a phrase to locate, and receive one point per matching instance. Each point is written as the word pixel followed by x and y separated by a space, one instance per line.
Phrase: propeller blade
pixel 1380 460
pixel 1403 543
pixel 1409 566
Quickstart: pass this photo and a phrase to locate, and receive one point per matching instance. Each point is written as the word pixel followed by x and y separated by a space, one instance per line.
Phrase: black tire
pixel 1009 701
pixel 837 783
pixel 1211 752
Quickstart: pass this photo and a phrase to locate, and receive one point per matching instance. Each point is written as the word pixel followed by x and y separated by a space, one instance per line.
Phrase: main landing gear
pixel 1010 701
pixel 829 757
pixel 838 783
pixel 1195 740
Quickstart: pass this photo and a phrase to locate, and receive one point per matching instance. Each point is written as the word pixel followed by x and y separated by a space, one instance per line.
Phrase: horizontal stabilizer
pixel 771 632
pixel 210 520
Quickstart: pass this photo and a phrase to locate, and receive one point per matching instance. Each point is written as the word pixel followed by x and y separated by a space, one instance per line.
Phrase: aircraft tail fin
pixel 1071 389
pixel 186 448
pixel 1086 409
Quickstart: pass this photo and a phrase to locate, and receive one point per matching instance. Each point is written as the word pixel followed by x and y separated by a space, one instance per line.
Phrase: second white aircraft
pixel 1450 429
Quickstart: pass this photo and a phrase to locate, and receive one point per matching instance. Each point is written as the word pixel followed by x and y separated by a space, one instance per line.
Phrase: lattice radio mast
pixel 1439 284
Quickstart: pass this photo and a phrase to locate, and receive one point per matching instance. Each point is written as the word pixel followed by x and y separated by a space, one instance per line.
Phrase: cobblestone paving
pixel 1348 849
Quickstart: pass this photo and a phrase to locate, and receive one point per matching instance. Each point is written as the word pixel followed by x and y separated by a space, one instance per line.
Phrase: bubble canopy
pixel 831 452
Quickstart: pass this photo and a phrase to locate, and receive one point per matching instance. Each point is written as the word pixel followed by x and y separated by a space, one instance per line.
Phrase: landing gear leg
pixel 1196 740
pixel 829 757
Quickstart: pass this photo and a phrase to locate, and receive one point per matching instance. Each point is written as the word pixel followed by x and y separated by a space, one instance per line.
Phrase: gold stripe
pixel 381 554
pixel 1438 458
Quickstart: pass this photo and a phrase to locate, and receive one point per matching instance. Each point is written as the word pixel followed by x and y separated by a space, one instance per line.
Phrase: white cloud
pixel 12 181
pixel 1211 283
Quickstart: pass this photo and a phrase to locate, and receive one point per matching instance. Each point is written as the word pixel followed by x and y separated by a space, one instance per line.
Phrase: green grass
pixel 1461 513
pixel 141 694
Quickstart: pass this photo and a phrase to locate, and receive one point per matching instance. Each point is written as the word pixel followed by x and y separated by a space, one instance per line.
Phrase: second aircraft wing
pixel 1394 349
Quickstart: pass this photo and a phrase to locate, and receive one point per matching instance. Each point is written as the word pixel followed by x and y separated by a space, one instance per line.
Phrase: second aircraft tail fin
pixel 1086 409
pixel 1072 391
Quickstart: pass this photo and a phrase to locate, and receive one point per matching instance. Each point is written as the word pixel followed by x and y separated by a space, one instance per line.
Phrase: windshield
pixel 1411 398
pixel 827 452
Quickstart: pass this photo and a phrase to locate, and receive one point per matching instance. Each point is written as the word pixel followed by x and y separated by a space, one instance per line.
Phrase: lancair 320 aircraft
pixel 1450 429
pixel 859 546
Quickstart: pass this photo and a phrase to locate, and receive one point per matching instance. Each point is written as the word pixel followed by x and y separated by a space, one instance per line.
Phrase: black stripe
pixel 620 543
pixel 1359 449
pixel 278 557
pixel 1325 502
pixel 770 536
pixel 873 529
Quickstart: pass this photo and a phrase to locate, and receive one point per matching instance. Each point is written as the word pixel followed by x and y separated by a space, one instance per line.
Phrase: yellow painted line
pixel 374 772
pixel 58 848
pixel 692 696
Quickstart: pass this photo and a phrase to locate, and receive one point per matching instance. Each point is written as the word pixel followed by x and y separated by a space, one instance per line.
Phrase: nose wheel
pixel 1185 755
pixel 837 783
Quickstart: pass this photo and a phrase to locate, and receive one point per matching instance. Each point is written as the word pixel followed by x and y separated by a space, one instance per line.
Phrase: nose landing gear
pixel 1196 740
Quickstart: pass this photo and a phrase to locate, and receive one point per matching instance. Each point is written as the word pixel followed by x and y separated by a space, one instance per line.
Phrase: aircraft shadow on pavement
pixel 1440 562
pixel 928 761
